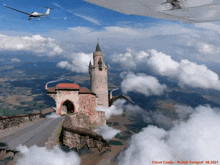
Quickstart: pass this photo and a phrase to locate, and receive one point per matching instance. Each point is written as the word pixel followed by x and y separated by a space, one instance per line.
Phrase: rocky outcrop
pixel 78 132
pixel 12 121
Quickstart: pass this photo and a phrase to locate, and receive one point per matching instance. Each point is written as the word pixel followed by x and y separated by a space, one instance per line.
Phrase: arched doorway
pixel 67 107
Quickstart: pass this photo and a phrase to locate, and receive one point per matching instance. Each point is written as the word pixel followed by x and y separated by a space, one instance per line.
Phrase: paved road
pixel 36 134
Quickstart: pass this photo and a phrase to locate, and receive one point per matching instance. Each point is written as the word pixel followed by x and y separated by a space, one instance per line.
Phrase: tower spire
pixel 97 46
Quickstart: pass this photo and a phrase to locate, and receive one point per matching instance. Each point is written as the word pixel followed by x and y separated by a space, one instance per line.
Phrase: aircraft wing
pixel 187 11
pixel 17 10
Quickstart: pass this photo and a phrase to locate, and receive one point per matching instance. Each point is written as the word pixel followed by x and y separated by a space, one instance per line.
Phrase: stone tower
pixel 99 77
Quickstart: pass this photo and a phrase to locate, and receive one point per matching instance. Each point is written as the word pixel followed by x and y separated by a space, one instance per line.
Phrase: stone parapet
pixel 12 121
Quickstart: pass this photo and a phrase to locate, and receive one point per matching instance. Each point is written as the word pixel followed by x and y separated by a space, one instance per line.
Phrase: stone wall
pixel 73 138
pixel 12 121
pixel 78 120
pixel 87 103
pixel 77 132
pixel 100 118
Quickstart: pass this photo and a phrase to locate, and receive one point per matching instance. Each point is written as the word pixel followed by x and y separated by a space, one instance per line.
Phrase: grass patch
pixel 115 143
pixel 119 136
pixel 58 134
pixel 36 106
pixel 7 112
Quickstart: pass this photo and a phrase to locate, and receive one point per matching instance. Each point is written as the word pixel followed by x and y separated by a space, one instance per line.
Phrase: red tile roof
pixel 85 90
pixel 51 89
pixel 67 86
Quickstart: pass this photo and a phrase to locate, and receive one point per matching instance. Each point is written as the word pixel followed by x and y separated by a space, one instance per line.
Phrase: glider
pixel 33 14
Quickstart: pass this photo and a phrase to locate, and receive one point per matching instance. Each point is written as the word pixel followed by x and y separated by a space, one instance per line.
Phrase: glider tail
pixel 48 11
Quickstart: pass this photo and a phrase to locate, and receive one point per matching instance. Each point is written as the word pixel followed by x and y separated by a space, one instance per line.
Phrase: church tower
pixel 99 77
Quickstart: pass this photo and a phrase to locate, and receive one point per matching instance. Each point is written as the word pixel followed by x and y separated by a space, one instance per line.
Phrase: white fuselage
pixel 36 14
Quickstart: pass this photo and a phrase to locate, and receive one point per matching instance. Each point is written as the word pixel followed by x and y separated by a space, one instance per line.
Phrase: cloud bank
pixel 186 72
pixel 197 139
pixel 130 58
pixel 107 132
pixel 42 156
pixel 36 44
pixel 141 83
pixel 185 41
pixel 79 62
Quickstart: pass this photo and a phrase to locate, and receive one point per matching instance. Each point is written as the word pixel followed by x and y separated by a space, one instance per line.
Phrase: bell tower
pixel 99 77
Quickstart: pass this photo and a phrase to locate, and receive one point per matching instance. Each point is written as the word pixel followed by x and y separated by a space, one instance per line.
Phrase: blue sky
pixel 77 12
pixel 76 36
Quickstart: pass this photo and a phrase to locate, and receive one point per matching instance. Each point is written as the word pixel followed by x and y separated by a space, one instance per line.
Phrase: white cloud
pixel 115 109
pixel 197 139
pixel 141 83
pixel 79 62
pixel 90 19
pixel 186 72
pixel 146 146
pixel 42 156
pixel 36 44
pixel 130 59
pixel 52 115
pixel 195 75
pixel 162 63
pixel 107 132
pixel 15 60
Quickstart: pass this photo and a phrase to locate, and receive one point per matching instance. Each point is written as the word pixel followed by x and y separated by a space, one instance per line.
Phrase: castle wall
pixel 87 103
pixel 88 106
pixel 62 96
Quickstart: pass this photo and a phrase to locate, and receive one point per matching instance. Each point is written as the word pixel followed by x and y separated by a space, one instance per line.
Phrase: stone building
pixel 70 98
